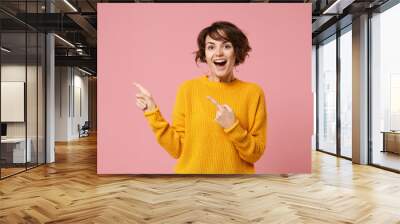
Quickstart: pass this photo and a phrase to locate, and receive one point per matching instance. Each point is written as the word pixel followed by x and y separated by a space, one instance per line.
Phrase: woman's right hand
pixel 144 100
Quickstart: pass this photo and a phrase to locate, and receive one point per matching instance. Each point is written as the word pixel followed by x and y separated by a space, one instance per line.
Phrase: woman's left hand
pixel 224 116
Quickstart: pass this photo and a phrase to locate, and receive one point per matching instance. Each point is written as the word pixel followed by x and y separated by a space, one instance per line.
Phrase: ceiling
pixel 76 22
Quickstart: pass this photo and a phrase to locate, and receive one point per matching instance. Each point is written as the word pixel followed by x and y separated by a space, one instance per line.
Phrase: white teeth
pixel 220 60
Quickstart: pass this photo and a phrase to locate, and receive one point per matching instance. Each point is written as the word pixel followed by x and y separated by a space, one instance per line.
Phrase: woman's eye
pixel 210 47
pixel 228 46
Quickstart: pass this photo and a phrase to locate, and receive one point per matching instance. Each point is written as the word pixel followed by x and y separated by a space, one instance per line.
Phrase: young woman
pixel 219 122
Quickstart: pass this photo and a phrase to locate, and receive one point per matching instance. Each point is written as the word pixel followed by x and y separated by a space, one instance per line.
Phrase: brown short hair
pixel 223 30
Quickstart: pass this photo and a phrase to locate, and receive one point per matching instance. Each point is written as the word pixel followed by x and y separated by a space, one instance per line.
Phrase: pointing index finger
pixel 141 89
pixel 227 107
pixel 212 100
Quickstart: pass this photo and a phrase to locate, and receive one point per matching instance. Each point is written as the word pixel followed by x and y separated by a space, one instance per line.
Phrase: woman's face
pixel 220 57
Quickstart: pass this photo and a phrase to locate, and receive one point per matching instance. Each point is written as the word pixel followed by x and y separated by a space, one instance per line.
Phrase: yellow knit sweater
pixel 199 143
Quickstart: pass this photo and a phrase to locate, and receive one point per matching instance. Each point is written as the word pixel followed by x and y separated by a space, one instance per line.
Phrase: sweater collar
pixel 204 79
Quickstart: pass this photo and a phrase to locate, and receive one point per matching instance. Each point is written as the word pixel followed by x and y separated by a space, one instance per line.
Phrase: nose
pixel 219 51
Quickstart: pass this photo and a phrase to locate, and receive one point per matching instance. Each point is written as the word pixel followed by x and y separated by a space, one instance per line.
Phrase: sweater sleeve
pixel 170 137
pixel 251 143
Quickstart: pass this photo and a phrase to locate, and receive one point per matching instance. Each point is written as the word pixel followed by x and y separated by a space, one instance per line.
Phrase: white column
pixel 50 99
pixel 360 90
pixel 50 92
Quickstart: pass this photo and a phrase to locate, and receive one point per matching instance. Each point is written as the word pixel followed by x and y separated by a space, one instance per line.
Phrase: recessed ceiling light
pixel 338 6
pixel 64 40
pixel 84 71
pixel 70 5
pixel 5 50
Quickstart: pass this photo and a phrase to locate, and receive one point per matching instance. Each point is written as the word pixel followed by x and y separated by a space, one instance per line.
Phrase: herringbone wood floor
pixel 70 191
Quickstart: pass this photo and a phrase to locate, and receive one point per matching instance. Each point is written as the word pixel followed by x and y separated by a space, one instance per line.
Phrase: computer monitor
pixel 3 129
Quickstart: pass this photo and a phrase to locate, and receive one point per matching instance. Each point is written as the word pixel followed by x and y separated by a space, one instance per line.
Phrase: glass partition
pixel 327 95
pixel 32 95
pixel 22 77
pixel 41 91
pixel 346 93
pixel 13 95
pixel 385 89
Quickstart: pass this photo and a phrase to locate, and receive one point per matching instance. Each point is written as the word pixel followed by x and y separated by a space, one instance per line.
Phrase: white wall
pixel 71 94
pixel 62 80
pixel 80 110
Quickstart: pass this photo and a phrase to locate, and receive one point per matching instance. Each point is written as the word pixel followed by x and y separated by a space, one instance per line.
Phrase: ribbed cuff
pixel 232 127
pixel 236 133
pixel 153 116
pixel 150 112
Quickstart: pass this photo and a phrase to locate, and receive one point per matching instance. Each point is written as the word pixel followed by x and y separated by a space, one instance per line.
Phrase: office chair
pixel 84 130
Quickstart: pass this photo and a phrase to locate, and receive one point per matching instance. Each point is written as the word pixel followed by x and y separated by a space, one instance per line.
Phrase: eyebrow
pixel 222 42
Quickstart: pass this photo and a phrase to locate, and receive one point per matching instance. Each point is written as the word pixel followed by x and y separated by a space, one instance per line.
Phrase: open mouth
pixel 220 62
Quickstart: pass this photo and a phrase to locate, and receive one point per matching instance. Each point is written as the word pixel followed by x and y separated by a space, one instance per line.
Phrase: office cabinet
pixel 391 142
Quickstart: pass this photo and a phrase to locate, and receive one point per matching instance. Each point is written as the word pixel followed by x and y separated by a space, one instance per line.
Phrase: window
pixel 346 93
pixel 327 95
pixel 385 88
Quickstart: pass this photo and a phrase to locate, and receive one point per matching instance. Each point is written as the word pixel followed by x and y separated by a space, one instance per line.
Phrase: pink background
pixel 153 44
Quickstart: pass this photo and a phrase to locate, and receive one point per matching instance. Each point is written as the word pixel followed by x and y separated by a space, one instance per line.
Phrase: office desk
pixel 13 150
pixel 391 141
